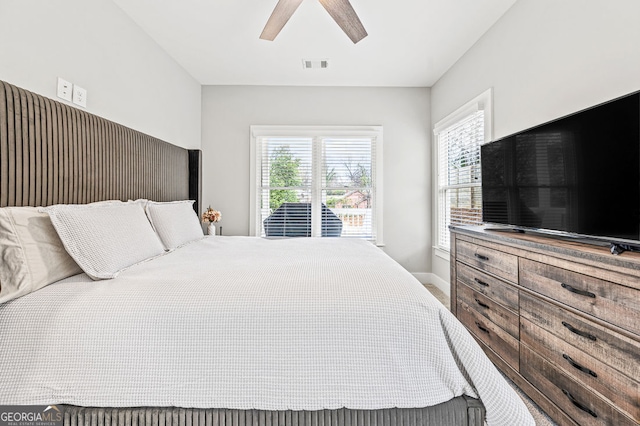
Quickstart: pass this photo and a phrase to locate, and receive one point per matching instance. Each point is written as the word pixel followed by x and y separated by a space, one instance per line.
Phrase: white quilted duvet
pixel 239 322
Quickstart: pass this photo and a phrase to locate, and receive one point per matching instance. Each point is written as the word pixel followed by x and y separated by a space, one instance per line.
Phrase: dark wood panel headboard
pixel 52 153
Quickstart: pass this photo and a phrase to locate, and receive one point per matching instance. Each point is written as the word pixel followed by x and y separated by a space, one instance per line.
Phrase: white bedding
pixel 239 322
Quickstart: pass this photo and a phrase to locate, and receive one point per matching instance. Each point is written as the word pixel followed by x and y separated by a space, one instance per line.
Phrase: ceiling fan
pixel 340 10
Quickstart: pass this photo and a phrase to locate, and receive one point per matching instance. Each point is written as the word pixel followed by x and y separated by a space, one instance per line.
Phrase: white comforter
pixel 237 322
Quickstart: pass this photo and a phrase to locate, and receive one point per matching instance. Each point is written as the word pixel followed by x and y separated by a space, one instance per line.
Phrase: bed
pixel 220 330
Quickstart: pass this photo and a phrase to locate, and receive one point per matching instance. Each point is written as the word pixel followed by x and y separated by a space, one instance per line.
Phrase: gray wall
pixel 129 78
pixel 545 59
pixel 229 111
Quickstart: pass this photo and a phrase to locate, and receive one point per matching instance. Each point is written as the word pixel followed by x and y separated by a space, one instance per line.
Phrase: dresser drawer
pixel 498 263
pixel 608 301
pixel 489 309
pixel 501 342
pixel 585 407
pixel 604 344
pixel 614 386
pixel 495 289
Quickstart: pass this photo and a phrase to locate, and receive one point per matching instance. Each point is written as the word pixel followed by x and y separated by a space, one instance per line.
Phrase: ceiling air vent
pixel 308 64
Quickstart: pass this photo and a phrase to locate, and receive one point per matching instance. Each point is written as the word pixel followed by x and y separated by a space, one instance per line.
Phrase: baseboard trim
pixel 431 278
pixel 423 277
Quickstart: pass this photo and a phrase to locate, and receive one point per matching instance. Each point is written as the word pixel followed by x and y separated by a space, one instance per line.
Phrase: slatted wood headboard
pixel 52 153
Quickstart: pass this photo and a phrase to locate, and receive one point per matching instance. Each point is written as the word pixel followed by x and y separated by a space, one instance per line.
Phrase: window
pixel 316 182
pixel 458 140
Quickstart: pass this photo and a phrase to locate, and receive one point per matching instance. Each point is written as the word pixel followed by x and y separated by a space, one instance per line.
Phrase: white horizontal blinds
pixel 285 186
pixel 459 179
pixel 316 186
pixel 348 187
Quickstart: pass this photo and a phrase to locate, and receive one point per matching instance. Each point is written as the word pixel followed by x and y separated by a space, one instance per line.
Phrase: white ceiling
pixel 411 43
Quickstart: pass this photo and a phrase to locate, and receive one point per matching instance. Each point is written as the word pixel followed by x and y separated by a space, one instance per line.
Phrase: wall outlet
pixel 64 89
pixel 79 96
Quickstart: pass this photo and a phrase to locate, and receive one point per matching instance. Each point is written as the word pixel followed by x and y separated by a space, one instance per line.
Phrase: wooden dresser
pixel 560 318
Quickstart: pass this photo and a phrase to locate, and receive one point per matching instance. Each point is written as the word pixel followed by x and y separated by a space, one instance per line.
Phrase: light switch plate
pixel 64 89
pixel 79 96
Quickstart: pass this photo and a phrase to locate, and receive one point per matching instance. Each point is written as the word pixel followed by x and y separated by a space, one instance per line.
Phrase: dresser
pixel 559 317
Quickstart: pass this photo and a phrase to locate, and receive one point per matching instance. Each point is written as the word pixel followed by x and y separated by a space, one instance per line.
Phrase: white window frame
pixel 374 132
pixel 484 102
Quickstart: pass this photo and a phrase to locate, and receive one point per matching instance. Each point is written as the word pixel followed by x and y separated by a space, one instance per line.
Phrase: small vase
pixel 211 229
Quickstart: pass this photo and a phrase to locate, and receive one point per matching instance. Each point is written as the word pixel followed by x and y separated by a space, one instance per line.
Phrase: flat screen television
pixel 578 175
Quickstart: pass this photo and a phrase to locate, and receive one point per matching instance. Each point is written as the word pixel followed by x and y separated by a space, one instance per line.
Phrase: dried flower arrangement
pixel 211 215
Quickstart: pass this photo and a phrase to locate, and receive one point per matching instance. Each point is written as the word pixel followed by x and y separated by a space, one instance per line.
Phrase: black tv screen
pixel 579 174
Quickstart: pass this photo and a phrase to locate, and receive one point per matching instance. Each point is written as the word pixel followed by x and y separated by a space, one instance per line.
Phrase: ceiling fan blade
pixel 342 12
pixel 281 14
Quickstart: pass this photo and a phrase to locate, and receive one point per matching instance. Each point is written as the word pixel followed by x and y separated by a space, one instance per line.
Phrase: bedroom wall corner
pixel 433 279
pixel 544 59
pixel 129 78
pixel 229 111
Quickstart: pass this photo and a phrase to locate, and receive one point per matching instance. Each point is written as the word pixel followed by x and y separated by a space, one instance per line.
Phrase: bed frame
pixel 52 153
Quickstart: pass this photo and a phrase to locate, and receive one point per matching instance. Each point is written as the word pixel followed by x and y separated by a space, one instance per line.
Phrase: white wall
pixel 545 59
pixel 228 111
pixel 129 78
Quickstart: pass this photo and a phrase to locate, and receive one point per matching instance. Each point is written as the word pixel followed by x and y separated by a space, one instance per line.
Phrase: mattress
pixel 247 323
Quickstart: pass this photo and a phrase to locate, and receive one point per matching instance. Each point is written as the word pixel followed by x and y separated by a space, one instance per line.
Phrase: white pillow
pixel 105 238
pixel 31 253
pixel 175 222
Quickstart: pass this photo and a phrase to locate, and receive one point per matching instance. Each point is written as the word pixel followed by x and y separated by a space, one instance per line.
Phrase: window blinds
pixel 285 186
pixel 459 178
pixel 317 186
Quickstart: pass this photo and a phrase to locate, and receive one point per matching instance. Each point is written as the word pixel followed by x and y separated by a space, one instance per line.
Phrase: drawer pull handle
pixel 578 366
pixel 579 332
pixel 484 305
pixel 577 404
pixel 481 257
pixel 576 291
pixel 481 282
pixel 481 327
